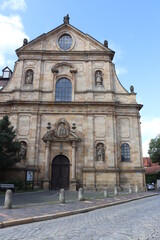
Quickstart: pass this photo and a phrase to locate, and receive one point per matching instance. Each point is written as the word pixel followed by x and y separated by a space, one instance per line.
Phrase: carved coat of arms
pixel 62 128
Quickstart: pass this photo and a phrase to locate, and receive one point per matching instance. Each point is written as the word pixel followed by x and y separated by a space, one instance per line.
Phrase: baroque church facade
pixel 78 126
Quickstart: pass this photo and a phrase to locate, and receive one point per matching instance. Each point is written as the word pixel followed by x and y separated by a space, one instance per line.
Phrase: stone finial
pixel 132 89
pixel 66 19
pixel 106 43
pixel 25 41
pixel 74 127
pixel 48 126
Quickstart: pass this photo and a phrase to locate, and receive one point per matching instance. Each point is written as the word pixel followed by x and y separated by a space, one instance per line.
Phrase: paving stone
pixel 134 220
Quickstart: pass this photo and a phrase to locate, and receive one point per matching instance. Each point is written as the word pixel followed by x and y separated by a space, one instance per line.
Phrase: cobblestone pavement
pixel 137 220
pixel 30 211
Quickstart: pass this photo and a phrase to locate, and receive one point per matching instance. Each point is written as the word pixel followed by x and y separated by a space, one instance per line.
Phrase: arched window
pixel 125 152
pixel 63 90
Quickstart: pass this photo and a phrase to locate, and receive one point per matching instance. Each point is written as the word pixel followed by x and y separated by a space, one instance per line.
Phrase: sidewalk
pixel 29 211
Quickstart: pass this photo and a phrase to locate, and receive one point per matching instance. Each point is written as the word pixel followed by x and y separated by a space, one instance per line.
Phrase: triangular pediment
pixel 49 41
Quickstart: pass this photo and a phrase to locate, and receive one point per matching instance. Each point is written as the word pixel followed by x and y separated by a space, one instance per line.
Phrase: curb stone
pixel 68 213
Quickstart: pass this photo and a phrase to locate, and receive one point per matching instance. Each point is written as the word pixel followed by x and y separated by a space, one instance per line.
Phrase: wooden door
pixel 60 172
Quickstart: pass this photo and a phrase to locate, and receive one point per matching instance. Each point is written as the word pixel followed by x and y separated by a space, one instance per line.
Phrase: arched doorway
pixel 60 172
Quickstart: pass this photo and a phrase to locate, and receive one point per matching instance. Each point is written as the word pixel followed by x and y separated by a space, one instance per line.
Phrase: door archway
pixel 60 172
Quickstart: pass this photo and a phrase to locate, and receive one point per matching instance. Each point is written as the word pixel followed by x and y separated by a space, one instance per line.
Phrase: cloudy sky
pixel 130 26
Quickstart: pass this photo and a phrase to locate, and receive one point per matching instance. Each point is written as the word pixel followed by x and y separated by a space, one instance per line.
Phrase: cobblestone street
pixel 136 220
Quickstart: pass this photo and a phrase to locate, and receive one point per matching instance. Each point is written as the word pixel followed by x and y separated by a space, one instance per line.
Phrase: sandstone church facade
pixel 77 124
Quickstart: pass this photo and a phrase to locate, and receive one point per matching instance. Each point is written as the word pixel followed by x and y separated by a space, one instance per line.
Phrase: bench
pixel 6 186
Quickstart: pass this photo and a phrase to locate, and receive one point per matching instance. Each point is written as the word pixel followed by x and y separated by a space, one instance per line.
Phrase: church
pixel 78 126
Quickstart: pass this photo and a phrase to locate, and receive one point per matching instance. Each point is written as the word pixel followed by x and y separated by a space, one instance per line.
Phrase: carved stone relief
pixel 62 128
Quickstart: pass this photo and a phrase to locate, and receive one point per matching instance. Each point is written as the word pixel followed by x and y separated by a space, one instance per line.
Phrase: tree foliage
pixel 154 149
pixel 9 147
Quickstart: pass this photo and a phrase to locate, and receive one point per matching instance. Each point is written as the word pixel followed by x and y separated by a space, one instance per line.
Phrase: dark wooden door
pixel 60 172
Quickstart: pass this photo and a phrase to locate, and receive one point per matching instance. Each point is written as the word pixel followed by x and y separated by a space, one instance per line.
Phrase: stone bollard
pixel 62 196
pixel 130 189
pixel 106 192
pixel 115 191
pixel 8 199
pixel 80 194
pixel 136 188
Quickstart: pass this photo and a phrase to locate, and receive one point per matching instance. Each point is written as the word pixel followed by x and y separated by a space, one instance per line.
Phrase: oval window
pixel 65 42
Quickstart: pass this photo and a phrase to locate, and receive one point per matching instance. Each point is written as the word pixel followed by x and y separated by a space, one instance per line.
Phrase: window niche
pixel 125 152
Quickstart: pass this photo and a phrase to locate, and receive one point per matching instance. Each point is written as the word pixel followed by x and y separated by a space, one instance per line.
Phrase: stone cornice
pixel 43 54
pixel 89 103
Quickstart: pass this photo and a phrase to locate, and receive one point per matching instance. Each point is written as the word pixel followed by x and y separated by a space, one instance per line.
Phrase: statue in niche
pixel 29 77
pixel 98 78
pixel 100 152
pixel 23 151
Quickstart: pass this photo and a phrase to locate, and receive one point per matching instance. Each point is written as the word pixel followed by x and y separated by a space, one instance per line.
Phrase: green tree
pixel 154 149
pixel 9 147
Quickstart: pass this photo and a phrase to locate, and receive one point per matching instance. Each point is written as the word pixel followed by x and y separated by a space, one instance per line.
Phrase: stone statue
pixel 98 78
pixel 25 41
pixel 100 152
pixel 22 152
pixel 29 77
pixel 66 19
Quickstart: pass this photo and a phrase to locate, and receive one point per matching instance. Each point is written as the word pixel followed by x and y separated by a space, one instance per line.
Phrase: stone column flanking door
pixel 73 180
pixel 47 164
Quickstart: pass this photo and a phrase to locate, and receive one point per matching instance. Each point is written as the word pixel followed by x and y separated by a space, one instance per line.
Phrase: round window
pixel 65 42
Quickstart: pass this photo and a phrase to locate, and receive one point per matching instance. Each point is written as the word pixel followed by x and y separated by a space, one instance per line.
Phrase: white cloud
pixel 121 70
pixel 14 5
pixel 12 35
pixel 150 129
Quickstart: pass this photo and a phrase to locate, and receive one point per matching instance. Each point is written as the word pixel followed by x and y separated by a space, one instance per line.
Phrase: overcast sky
pixel 130 26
